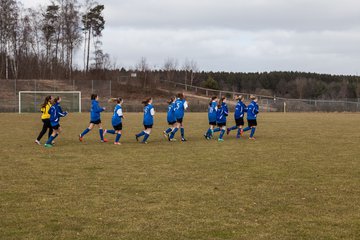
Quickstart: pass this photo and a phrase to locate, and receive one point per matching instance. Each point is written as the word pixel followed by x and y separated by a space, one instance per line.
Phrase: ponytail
pixel 212 99
pixel 46 101
pixel 146 101
pixel 171 100
pixel 222 99
pixel 115 100
pixel 93 96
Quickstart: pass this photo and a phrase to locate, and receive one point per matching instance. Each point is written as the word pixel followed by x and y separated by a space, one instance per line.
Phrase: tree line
pixel 40 42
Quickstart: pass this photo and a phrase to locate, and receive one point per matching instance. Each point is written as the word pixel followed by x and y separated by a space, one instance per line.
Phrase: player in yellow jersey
pixel 45 117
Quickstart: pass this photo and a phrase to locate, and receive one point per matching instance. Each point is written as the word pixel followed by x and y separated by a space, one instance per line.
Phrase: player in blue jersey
pixel 55 114
pixel 94 118
pixel 180 106
pixel 212 117
pixel 221 114
pixel 116 120
pixel 148 120
pixel 240 109
pixel 252 112
pixel 171 119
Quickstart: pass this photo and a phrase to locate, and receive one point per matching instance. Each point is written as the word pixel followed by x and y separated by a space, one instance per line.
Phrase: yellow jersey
pixel 45 111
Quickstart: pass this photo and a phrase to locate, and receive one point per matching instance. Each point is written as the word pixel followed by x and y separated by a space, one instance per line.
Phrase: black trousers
pixel 46 126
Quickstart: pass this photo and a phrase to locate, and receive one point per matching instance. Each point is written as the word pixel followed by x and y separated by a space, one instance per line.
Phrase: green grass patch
pixel 299 180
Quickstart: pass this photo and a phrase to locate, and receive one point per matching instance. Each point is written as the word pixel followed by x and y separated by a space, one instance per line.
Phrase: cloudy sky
pixel 235 35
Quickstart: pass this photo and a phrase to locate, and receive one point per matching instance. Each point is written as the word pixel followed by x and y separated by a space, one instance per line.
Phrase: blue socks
pixel 49 141
pixel 110 131
pixel 247 129
pixel 208 133
pixel 173 133
pixel 85 132
pixel 55 136
pixel 168 130
pixel 140 134
pixel 238 133
pixel 216 130
pixel 182 132
pixel 222 133
pixel 146 137
pixel 117 139
pixel 252 132
pixel 101 133
pixel 232 128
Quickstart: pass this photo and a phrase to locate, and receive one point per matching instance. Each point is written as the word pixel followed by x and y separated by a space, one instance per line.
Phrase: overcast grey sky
pixel 235 35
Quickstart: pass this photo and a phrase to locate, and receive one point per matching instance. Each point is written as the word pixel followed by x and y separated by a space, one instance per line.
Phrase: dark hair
pixel 180 95
pixel 56 99
pixel 170 100
pixel 46 101
pixel 146 101
pixel 212 99
pixel 221 101
pixel 93 96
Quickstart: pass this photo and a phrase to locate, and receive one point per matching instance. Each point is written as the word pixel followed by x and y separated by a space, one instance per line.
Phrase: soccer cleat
pixel 104 141
pixel 136 137
pixel 117 143
pixel 206 137
pixel 53 143
pixel 183 140
pixel 241 132
pixel 144 142
pixel 48 145
pixel 37 142
pixel 252 138
pixel 220 140
pixel 227 131
pixel 80 138
pixel 172 140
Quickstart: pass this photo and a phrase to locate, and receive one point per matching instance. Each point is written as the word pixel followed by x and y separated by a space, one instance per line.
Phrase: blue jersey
pixel 171 113
pixel 95 110
pixel 222 113
pixel 240 109
pixel 252 110
pixel 149 113
pixel 55 113
pixel 212 111
pixel 117 116
pixel 180 107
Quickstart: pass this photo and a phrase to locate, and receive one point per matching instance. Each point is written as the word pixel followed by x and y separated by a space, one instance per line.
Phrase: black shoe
pixel 137 138
pixel 183 140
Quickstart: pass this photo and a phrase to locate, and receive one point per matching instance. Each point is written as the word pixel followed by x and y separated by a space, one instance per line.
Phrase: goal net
pixel 31 101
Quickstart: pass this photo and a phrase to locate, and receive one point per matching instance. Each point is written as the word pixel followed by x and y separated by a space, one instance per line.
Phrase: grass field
pixel 299 180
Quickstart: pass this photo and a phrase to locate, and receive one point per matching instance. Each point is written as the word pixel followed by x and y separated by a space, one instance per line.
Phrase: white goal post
pixel 30 101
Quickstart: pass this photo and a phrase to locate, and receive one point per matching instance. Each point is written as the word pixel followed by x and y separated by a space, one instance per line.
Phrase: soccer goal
pixel 31 101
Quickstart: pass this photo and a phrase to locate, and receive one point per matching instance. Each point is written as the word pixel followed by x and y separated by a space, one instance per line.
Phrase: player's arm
pixel 152 112
pixel 61 113
pixel 119 112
